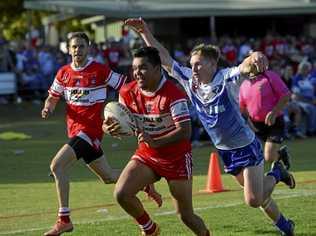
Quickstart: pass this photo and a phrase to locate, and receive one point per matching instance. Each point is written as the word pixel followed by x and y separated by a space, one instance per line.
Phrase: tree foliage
pixel 15 20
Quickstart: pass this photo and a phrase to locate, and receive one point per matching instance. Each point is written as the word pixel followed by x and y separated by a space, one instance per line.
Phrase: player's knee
pixel 254 202
pixel 121 195
pixel 56 168
pixel 186 217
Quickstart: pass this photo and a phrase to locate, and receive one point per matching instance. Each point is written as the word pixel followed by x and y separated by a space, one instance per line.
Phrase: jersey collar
pixel 89 61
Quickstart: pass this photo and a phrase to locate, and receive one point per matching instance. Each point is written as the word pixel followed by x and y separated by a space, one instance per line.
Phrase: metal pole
pixel 212 27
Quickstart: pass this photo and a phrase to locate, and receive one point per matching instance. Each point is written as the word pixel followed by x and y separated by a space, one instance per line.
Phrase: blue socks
pixel 284 225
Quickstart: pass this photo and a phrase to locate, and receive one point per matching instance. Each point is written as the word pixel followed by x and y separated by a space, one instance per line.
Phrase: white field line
pixel 280 194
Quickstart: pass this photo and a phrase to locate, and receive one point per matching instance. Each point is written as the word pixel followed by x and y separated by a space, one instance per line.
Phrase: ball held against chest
pixel 121 113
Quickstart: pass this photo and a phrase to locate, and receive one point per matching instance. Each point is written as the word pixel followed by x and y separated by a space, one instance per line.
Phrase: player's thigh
pixel 253 182
pixel 181 191
pixel 64 158
pixel 271 150
pixel 134 177
pixel 240 178
pixel 101 168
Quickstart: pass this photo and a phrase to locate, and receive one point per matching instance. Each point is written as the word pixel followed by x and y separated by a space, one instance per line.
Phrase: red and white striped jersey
pixel 157 113
pixel 84 90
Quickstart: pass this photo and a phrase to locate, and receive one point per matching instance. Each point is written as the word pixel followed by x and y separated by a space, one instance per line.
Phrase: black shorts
pixel 274 133
pixel 84 150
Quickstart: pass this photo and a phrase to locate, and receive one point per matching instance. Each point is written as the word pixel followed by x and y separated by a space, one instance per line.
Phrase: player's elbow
pixel 186 130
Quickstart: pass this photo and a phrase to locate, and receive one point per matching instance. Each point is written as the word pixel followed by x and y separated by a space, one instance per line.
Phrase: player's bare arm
pixel 140 26
pixel 49 106
pixel 272 115
pixel 256 63
pixel 182 131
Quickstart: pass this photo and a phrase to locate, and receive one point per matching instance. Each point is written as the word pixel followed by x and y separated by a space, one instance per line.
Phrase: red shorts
pixel 179 167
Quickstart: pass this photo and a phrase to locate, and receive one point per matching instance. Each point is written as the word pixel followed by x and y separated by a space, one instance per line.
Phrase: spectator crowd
pixel 292 57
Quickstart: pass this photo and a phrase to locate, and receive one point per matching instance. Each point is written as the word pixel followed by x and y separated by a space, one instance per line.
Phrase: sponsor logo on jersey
pixel 78 94
pixel 216 109
pixel 152 119
pixel 212 110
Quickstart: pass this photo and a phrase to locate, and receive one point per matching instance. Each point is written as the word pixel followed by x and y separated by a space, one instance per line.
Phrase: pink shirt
pixel 259 96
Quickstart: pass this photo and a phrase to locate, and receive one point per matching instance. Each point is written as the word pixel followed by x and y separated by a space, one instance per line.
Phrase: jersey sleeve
pixel 179 108
pixel 233 75
pixel 113 79
pixel 57 88
pixel 182 74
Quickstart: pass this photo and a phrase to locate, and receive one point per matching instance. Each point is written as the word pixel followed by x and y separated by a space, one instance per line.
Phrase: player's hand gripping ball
pixel 118 120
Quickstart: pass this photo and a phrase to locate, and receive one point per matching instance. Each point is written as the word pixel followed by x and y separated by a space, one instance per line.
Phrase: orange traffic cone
pixel 214 179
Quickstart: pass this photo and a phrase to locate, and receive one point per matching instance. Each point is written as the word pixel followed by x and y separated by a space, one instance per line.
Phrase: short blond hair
pixel 207 50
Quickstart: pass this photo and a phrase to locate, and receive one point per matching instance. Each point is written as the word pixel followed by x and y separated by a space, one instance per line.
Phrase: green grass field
pixel 28 201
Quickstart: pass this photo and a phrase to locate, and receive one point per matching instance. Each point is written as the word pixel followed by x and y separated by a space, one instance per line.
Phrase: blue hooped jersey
pixel 217 106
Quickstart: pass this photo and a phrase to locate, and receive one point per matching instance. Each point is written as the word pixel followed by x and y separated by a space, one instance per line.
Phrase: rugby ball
pixel 125 118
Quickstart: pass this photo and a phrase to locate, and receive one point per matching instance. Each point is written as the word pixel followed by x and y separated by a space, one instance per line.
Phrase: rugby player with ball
pixel 164 148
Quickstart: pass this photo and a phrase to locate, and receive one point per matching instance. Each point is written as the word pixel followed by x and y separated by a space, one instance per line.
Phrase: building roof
pixel 175 8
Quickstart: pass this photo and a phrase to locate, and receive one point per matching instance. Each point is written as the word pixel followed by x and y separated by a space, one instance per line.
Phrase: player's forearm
pixel 281 104
pixel 182 132
pixel 50 103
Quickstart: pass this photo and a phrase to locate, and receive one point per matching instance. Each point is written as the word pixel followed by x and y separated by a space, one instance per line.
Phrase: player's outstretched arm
pixel 140 26
pixel 256 63
pixel 49 106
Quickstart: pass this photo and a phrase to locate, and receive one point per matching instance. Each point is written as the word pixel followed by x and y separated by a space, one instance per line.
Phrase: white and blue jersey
pixel 217 107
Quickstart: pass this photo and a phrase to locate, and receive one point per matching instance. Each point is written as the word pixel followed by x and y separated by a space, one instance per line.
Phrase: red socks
pixel 146 224
pixel 64 214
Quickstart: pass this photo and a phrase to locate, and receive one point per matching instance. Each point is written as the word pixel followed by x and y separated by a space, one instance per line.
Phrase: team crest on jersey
pixel 65 78
pixel 162 103
pixel 94 79
pixel 148 107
